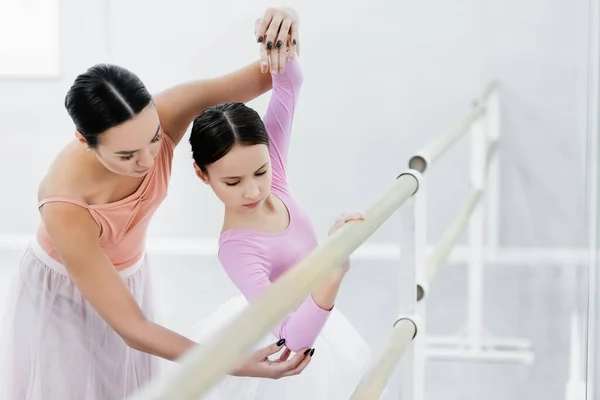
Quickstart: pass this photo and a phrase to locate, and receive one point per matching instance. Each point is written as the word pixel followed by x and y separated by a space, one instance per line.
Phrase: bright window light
pixel 29 38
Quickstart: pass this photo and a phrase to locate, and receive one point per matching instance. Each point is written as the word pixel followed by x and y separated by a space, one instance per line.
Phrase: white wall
pixel 382 79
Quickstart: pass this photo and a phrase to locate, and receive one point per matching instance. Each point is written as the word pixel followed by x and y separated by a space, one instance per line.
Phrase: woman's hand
pixel 259 365
pixel 277 33
pixel 345 217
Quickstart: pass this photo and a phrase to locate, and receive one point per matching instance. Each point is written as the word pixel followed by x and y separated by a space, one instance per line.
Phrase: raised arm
pixel 246 268
pixel 279 117
pixel 179 105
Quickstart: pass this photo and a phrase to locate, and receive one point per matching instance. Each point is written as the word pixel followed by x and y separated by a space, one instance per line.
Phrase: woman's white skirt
pixel 340 360
pixel 55 345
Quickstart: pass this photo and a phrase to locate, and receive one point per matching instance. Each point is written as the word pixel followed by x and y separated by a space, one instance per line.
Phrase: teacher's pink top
pixel 123 224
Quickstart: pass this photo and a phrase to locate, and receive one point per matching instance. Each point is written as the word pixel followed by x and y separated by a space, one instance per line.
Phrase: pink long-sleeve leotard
pixel 255 259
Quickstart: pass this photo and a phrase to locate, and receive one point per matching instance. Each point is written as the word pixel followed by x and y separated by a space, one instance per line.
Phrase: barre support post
pixel 374 382
pixel 474 342
pixel 420 223
pixel 475 234
pixel 492 185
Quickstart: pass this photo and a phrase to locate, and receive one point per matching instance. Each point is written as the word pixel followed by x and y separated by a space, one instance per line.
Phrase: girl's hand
pixel 345 217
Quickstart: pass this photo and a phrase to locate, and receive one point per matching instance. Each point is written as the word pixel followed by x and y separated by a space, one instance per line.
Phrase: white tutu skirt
pixel 340 360
pixel 56 347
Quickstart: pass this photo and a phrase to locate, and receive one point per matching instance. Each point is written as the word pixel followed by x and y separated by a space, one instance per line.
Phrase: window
pixel 29 38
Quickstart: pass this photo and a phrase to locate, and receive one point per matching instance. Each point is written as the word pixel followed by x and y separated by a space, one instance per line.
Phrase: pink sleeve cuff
pixel 302 330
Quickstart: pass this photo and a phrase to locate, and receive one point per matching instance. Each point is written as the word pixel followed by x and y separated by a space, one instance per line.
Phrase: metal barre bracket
pixel 422 289
pixel 419 161
pixel 412 318
pixel 415 174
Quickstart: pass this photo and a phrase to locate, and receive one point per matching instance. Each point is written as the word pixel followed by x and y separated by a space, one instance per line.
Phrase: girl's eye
pixel 127 158
pixel 231 184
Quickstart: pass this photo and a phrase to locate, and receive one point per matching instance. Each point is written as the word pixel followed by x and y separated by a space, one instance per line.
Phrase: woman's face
pixel 131 148
pixel 242 178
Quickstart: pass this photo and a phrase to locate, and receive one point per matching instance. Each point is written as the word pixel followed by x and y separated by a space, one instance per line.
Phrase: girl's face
pixel 242 178
pixel 131 148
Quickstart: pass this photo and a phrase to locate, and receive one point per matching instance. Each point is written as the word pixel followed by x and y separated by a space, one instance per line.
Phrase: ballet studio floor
pixel 524 301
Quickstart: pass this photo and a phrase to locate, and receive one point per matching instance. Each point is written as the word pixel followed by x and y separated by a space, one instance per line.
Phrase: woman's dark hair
pixel 219 128
pixel 103 97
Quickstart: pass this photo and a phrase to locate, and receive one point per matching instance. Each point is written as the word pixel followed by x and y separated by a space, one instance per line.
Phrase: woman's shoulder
pixel 63 177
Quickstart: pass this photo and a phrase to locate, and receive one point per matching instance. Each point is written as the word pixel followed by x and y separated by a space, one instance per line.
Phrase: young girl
pixel 266 232
pixel 81 325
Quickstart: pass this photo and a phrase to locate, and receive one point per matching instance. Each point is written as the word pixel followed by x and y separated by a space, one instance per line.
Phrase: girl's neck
pixel 239 218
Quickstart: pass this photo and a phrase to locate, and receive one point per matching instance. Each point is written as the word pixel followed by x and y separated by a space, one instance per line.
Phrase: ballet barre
pixel 204 365
pixel 484 143
pixel 478 212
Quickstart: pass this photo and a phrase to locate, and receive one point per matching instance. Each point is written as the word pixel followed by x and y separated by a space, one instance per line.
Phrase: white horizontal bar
pixel 525 357
pixel 491 342
pixel 369 251
pixel 206 247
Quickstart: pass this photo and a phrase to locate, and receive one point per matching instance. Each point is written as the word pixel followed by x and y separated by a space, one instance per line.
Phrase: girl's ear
pixel 203 177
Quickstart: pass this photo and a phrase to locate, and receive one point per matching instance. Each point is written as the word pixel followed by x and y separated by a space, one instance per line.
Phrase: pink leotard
pixel 255 259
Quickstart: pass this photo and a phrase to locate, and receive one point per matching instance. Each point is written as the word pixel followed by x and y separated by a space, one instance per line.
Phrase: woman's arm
pixel 100 283
pixel 179 105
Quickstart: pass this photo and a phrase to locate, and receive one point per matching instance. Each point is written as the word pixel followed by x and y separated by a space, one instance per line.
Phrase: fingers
pixel 336 226
pixel 285 355
pixel 269 350
pixel 258 37
pixel 264 59
pixel 295 39
pixel 273 31
pixel 346 217
pixel 286 368
pixel 291 53
pixel 283 32
pixel 263 25
pixel 274 60
pixel 304 361
pixel 282 54
pixel 282 44
pixel 355 216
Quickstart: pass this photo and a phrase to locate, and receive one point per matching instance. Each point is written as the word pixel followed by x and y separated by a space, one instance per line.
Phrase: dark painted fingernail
pixel 281 342
pixel 269 45
pixel 279 43
pixel 260 39
pixel 294 41
pixel 306 352
pixel 312 352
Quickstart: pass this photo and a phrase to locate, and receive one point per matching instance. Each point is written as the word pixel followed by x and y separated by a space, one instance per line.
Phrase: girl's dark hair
pixel 219 128
pixel 103 97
